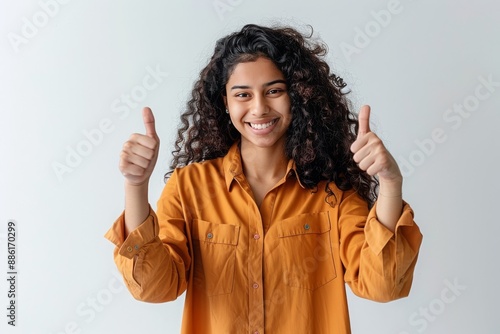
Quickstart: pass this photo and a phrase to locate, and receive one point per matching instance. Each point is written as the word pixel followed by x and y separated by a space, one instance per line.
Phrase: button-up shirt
pixel 278 268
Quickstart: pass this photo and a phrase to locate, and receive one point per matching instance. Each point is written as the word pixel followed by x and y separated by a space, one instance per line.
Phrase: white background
pixel 61 80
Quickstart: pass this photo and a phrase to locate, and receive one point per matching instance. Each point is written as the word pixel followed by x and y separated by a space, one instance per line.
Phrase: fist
pixel 370 153
pixel 139 154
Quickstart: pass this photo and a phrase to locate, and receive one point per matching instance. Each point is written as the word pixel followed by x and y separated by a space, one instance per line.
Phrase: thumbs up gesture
pixel 139 154
pixel 370 153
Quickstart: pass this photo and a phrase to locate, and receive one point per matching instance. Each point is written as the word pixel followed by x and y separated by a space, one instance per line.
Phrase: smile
pixel 263 125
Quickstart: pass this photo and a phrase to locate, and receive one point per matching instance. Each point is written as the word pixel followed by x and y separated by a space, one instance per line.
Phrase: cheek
pixel 288 104
pixel 288 109
pixel 287 119
pixel 236 110
pixel 236 113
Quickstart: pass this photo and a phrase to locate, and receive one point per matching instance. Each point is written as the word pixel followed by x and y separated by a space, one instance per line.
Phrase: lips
pixel 262 126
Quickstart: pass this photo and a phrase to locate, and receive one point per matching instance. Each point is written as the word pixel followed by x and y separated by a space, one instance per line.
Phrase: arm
pixel 152 256
pixel 137 161
pixel 136 206
pixel 371 156
pixel 380 252
pixel 390 203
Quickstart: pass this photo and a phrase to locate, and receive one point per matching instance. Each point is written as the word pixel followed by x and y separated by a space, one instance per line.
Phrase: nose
pixel 259 106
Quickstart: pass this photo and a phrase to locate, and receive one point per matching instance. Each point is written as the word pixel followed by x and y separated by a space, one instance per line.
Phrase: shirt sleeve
pixel 154 258
pixel 379 264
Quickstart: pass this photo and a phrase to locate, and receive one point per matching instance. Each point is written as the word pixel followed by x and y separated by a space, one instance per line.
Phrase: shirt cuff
pixel 143 234
pixel 377 235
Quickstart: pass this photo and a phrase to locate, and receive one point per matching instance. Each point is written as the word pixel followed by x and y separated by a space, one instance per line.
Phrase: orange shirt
pixel 278 269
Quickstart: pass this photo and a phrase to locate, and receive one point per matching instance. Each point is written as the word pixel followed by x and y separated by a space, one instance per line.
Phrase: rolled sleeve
pixel 377 235
pixel 142 235
pixel 382 267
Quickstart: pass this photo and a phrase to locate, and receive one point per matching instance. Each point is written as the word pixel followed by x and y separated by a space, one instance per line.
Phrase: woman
pixel 272 203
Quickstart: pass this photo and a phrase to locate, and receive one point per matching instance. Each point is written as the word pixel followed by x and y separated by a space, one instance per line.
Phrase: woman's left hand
pixel 371 156
pixel 370 153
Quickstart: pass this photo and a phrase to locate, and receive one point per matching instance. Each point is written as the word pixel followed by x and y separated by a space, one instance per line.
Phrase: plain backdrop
pixel 72 85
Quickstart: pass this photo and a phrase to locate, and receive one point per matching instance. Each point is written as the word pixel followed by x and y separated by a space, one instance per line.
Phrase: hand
pixel 139 154
pixel 370 153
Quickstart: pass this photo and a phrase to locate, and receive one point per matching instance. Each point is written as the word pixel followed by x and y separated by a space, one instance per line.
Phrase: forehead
pixel 259 71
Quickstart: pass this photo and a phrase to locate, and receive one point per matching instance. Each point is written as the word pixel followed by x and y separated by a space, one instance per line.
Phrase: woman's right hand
pixel 140 152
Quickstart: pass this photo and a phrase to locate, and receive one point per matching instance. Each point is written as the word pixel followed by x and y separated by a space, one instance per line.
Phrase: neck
pixel 265 164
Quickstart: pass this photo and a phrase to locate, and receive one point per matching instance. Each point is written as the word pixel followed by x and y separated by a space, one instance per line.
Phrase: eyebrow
pixel 264 85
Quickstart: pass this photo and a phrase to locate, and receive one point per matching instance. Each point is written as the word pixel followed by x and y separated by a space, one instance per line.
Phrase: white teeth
pixel 262 126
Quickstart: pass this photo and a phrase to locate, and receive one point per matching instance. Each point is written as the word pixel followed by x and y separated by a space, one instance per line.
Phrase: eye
pixel 275 91
pixel 242 94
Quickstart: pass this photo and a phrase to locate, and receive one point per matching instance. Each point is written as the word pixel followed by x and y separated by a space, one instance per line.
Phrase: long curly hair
pixel 322 128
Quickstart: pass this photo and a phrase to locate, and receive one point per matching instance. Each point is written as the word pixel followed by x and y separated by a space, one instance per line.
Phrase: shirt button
pixel 136 247
pixel 307 226
pixel 255 285
pixel 129 249
pixel 256 332
pixel 256 236
pixel 210 236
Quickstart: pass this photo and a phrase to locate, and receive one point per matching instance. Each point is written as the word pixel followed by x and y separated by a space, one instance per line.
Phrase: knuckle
pixel 127 145
pixel 153 143
pixel 135 135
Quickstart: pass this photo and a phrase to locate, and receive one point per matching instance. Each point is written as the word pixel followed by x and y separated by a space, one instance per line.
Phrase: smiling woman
pixel 257 101
pixel 271 207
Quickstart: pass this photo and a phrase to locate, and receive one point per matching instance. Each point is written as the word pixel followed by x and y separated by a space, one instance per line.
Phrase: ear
pixel 225 100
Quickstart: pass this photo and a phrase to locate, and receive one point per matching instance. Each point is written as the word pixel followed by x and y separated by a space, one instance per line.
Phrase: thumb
pixel 364 120
pixel 149 122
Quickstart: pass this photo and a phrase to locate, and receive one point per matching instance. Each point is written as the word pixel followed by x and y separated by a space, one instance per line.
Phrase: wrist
pixel 391 188
pixel 135 192
pixel 136 187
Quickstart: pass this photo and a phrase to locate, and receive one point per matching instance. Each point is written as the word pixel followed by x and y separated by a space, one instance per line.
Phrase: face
pixel 258 103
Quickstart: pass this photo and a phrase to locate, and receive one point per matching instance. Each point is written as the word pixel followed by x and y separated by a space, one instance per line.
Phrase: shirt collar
pixel 233 167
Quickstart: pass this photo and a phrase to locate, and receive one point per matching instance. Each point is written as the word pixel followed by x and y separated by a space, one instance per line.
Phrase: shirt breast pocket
pixel 214 247
pixel 306 250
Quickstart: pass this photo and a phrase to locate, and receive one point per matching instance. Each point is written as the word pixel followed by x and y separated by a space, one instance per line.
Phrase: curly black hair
pixel 322 128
